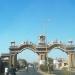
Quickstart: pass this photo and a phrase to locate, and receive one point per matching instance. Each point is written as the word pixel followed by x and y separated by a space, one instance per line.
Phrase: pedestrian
pixel 27 67
pixel 12 70
pixel 17 67
pixel 6 71
pixel 34 67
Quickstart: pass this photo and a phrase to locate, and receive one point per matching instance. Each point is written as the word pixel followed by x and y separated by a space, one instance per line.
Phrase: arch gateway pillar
pixel 13 59
pixel 42 57
pixel 71 60
pixel 42 49
pixel 13 54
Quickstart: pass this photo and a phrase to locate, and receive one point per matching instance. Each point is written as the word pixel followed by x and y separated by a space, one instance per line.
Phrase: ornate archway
pixel 14 50
pixel 42 49
pixel 67 48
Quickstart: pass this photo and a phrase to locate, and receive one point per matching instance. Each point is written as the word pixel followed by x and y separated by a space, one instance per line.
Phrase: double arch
pixel 41 51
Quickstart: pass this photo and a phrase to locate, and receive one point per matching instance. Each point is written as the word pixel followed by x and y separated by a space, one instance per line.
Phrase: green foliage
pixel 50 60
pixel 22 63
pixel 44 67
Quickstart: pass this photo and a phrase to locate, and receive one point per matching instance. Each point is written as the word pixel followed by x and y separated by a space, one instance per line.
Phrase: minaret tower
pixel 41 49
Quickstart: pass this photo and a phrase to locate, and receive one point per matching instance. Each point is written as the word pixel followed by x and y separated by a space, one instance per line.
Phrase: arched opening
pixel 59 57
pixel 27 56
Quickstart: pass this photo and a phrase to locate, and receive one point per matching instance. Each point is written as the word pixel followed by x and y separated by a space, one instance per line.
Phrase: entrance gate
pixel 42 49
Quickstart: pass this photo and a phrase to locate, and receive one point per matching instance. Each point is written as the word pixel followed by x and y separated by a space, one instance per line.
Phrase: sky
pixel 22 20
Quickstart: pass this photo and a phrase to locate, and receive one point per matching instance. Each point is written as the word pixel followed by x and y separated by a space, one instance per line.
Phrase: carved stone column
pixel 71 60
pixel 10 60
pixel 13 59
pixel 42 57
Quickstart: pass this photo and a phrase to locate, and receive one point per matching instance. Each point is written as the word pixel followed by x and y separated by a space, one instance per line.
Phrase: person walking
pixel 27 68
pixel 6 70
pixel 12 70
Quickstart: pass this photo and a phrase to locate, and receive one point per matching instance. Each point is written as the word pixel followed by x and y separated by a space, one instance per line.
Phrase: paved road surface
pixel 31 71
pixel 59 72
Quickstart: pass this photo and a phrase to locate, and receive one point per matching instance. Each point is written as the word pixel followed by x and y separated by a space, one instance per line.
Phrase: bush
pixel 44 67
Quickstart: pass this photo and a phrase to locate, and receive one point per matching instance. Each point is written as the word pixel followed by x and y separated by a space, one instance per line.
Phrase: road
pixel 31 71
pixel 59 72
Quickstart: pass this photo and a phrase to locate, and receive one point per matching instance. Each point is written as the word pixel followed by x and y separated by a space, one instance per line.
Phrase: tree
pixel 22 63
pixel 50 60
pixel 50 65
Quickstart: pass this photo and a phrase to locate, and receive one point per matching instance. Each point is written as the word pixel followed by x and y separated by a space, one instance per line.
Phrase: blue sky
pixel 22 20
